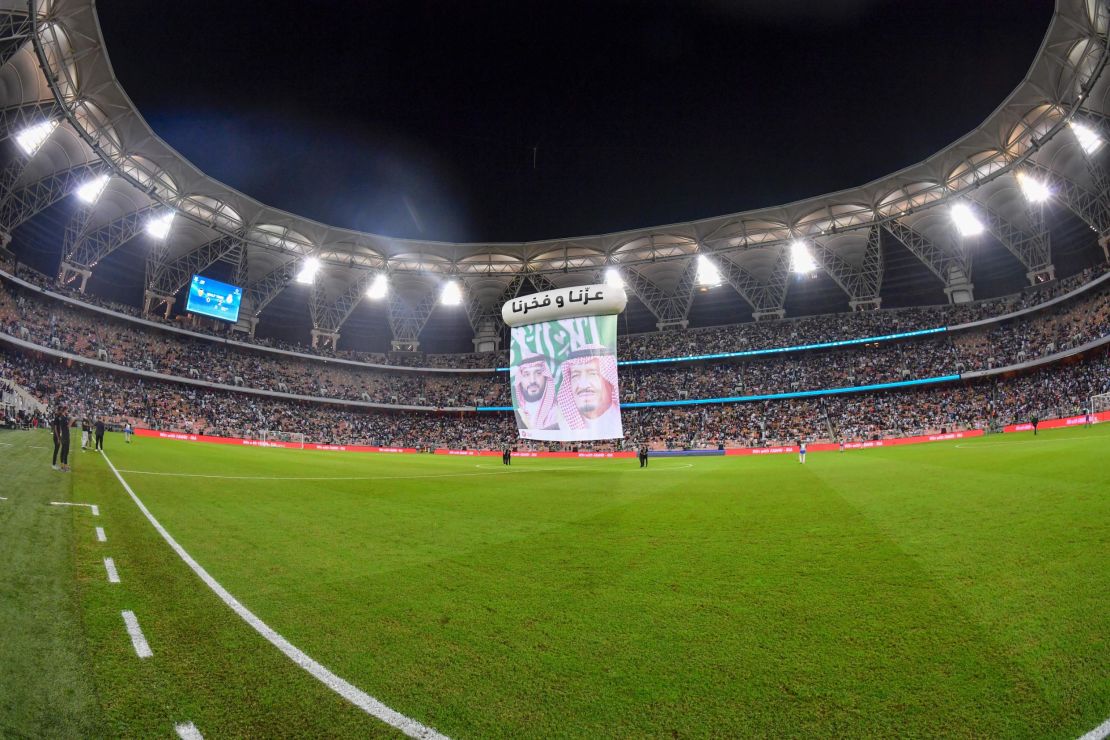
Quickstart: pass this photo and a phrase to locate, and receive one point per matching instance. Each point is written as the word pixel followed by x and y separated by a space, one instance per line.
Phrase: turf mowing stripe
pixel 94 507
pixel 110 566
pixel 395 477
pixel 100 536
pixel 348 691
pixel 187 731
pixel 142 647
pixel 1099 733
pixel 338 477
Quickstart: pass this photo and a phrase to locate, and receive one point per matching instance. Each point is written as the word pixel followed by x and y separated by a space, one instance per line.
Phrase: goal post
pixel 287 439
pixel 1100 402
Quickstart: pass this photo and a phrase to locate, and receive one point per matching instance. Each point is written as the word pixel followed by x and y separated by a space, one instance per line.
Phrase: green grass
pixel 45 687
pixel 936 590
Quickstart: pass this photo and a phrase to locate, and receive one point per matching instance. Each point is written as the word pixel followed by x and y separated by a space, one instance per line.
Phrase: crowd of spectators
pixel 670 343
pixel 61 326
pixel 119 397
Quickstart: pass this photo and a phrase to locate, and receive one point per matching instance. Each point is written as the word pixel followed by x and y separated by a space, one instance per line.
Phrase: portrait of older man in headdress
pixel 589 396
pixel 534 391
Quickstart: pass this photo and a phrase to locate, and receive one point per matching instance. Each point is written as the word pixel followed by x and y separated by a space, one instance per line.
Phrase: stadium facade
pixel 70 126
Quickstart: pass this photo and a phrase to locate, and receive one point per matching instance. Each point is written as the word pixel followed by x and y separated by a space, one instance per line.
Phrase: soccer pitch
pixel 949 589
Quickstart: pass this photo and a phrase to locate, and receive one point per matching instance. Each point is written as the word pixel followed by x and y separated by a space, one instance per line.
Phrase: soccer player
pixel 842 445
pixel 802 451
pixel 127 431
pixel 86 433
pixel 100 435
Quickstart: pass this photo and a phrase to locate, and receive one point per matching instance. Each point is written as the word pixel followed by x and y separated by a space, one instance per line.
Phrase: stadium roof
pixel 56 68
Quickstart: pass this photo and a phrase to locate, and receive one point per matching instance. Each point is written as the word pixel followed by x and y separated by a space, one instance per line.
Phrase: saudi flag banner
pixel 563 375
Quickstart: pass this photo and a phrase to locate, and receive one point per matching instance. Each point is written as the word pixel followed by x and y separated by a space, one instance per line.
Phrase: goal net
pixel 1100 403
pixel 286 439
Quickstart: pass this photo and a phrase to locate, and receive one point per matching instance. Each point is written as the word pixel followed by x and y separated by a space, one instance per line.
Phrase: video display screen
pixel 210 297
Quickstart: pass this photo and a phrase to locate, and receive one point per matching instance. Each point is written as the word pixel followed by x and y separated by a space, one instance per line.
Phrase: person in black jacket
pixel 642 453
pixel 100 435
pixel 59 427
pixel 507 456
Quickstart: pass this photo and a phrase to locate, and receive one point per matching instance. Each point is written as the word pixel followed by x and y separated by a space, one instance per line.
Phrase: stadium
pixel 833 467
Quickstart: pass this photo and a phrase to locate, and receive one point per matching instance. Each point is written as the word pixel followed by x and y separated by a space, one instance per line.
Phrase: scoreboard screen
pixel 212 298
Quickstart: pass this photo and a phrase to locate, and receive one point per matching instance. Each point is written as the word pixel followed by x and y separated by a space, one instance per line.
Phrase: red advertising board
pixel 526 453
pixel 866 445
pixel 186 437
pixel 785 449
pixel 1067 421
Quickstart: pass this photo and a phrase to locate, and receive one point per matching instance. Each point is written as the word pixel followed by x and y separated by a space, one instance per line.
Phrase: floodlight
pixel 613 278
pixel 708 274
pixel 1034 190
pixel 33 137
pixel 1089 141
pixel 379 288
pixel 451 295
pixel 308 271
pixel 90 192
pixel 967 223
pixel 801 261
pixel 159 226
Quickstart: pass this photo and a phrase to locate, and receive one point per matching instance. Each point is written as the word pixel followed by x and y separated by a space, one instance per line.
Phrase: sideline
pixel 348 691
pixel 1099 733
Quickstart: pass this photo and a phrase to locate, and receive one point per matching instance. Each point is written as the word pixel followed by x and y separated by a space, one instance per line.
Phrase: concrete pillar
pixel 487 337
pixel 70 271
pixel 322 339
pixel 246 325
pixel 152 300
pixel 865 304
pixel 1041 274
pixel 405 345
pixel 960 288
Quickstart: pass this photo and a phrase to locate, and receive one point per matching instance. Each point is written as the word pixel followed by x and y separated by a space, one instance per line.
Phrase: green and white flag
pixel 564 379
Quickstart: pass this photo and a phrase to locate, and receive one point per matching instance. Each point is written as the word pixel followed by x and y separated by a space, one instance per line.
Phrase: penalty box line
pixel 345 689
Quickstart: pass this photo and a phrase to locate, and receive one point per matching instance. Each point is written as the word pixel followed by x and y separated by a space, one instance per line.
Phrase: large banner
pixel 564 379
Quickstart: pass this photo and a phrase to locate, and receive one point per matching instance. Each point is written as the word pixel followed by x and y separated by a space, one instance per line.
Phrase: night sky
pixel 525 120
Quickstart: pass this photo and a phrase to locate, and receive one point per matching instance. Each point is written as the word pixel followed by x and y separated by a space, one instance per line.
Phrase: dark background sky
pixel 481 121
pixel 523 120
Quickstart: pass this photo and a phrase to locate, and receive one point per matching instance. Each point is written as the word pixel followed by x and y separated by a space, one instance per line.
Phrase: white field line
pixel 348 691
pixel 1099 733
pixel 100 536
pixel 2 498
pixel 389 477
pixel 94 507
pixel 187 731
pixel 110 567
pixel 142 647
pixel 6 444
